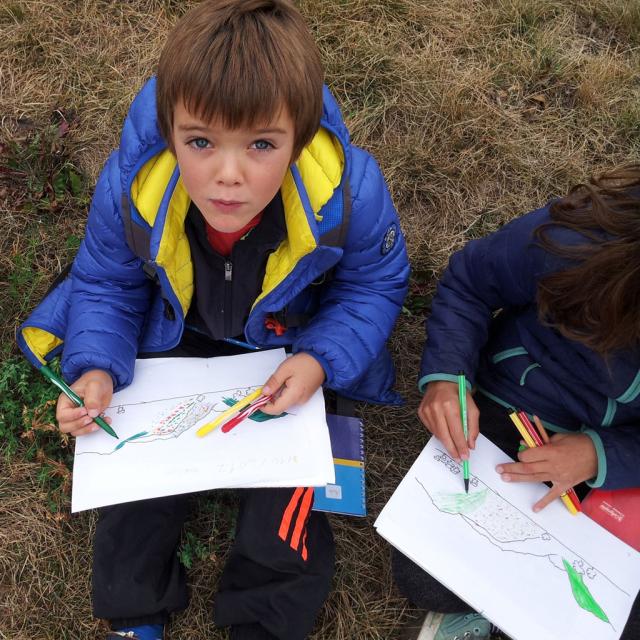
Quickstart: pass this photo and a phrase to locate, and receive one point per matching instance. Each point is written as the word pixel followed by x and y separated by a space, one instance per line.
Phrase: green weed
pixel 191 548
pixel 28 429
pixel 44 178
pixel 23 278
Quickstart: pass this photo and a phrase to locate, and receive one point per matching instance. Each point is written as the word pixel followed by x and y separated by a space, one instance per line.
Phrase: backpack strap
pixel 138 238
pixel 139 241
pixel 334 237
pixel 337 236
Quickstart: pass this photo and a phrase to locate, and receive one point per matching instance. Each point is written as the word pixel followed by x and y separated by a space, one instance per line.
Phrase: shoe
pixel 141 632
pixel 454 626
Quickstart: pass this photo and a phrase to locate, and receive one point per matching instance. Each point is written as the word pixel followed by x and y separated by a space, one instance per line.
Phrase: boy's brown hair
pixel 242 61
pixel 596 300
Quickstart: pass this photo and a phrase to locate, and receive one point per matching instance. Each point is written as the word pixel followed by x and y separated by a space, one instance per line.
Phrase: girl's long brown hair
pixel 596 301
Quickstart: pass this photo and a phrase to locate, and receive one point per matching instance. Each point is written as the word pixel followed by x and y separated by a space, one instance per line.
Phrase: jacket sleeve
pixel 497 271
pixel 360 306
pixel 109 295
pixel 618 450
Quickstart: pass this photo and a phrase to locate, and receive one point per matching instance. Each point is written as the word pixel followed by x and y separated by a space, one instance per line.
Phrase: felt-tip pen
pixel 74 397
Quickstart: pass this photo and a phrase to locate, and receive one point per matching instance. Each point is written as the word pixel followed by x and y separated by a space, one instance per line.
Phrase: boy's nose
pixel 228 171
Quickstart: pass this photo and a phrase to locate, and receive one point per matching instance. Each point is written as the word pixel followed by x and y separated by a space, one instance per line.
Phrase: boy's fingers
pixel 274 383
pixel 279 405
pixel 65 404
pixel 94 398
pixel 72 412
pixel 72 426
pixel 280 401
pixel 85 430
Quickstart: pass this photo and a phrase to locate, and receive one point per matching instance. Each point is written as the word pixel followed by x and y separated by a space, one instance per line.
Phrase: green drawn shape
pixel 258 416
pixel 134 437
pixel 582 594
pixel 460 502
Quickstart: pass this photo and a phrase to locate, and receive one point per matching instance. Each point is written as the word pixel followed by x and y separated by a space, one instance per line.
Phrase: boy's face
pixel 231 174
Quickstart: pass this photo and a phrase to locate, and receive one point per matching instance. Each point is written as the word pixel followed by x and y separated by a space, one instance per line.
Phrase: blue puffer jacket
pixel 107 310
pixel 519 362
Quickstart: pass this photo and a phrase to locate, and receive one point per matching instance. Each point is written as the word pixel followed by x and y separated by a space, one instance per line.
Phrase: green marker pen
pixel 462 397
pixel 74 397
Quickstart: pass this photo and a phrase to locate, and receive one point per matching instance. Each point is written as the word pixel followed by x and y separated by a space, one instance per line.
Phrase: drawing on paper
pixel 174 420
pixel 510 530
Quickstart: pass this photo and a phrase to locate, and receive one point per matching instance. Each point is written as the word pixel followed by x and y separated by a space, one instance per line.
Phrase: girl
pixel 543 315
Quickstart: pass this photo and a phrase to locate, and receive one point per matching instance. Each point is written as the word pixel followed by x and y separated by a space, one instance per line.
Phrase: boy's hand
pixel 567 460
pixel 439 411
pixel 95 387
pixel 293 382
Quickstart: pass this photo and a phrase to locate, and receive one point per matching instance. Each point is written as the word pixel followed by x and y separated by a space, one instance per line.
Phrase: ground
pixel 476 110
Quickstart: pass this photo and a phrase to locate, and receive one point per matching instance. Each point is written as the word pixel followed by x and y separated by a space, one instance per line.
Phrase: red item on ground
pixel 617 511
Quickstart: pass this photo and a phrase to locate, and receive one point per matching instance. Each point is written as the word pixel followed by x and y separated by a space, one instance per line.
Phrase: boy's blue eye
pixel 262 145
pixel 200 143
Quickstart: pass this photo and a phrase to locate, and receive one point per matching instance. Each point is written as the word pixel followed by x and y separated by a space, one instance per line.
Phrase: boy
pixel 235 212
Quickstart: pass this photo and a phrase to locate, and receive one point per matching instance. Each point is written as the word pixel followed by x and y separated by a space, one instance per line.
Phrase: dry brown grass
pixel 477 110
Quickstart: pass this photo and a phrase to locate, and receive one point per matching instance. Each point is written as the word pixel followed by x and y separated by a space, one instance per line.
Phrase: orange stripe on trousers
pixel 288 513
pixel 304 546
pixel 301 520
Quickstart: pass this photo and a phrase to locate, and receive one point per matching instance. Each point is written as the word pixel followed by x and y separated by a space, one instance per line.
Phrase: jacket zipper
pixel 228 283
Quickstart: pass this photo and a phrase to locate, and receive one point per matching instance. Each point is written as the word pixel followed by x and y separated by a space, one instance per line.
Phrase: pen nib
pixel 466 485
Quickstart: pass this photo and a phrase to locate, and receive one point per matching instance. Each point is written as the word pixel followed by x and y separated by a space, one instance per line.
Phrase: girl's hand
pixel 95 387
pixel 293 382
pixel 566 460
pixel 439 411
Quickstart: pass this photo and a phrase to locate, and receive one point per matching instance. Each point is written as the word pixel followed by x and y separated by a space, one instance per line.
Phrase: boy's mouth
pixel 226 205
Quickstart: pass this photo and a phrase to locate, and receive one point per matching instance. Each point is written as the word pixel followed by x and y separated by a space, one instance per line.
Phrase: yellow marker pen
pixel 214 424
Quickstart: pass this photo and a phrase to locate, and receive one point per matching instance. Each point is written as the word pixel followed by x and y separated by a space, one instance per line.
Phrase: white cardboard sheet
pixel 526 572
pixel 159 454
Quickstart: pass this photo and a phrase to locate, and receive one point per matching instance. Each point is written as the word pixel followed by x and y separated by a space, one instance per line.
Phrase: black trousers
pixel 278 573
pixel 422 589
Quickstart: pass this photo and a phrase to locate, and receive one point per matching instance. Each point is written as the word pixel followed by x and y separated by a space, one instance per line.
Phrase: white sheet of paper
pixel 159 454
pixel 504 560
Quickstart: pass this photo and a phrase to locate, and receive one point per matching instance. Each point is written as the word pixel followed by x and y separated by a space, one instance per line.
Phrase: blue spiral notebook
pixel 347 496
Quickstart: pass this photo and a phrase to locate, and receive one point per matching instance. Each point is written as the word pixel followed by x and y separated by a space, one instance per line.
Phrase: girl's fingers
pixel 534 454
pixel 454 426
pixel 440 429
pixel 525 477
pixel 524 468
pixel 474 421
pixel 548 498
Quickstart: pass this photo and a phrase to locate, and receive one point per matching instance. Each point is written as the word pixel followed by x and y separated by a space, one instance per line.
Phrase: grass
pixel 476 112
